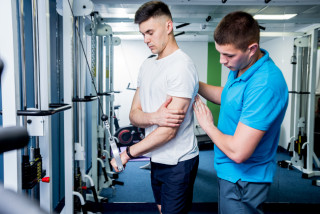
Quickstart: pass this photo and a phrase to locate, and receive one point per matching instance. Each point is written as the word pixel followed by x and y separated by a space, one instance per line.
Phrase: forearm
pixel 154 140
pixel 210 92
pixel 229 145
pixel 137 116
pixel 141 119
pixel 222 141
pixel 239 146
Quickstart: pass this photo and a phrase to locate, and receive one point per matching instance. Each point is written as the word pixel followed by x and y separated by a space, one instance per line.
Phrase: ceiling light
pixel 274 17
pixel 120 13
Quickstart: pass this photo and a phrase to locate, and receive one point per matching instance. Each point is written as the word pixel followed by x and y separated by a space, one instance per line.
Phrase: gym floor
pixel 289 192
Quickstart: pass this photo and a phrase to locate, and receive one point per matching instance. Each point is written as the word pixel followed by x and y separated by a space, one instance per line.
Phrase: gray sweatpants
pixel 241 197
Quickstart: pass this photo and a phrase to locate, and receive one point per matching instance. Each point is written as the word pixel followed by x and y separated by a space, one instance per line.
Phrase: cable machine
pixel 102 43
pixel 301 145
pixel 86 39
pixel 35 110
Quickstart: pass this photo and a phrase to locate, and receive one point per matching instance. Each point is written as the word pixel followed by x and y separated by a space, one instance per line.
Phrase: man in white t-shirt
pixel 162 104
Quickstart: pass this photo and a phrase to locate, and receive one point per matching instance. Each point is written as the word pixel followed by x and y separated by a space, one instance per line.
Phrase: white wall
pixel 127 60
pixel 281 50
pixel 128 57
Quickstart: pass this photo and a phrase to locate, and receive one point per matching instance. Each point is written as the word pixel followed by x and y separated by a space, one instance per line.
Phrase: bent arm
pixel 241 145
pixel 238 147
pixel 158 137
pixel 164 116
pixel 137 116
pixel 155 139
pixel 210 92
pixel 161 135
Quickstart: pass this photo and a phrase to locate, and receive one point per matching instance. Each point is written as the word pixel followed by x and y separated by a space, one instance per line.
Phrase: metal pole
pixel 111 77
pixel 95 104
pixel 23 58
pixel 82 81
pixel 293 134
pixel 35 27
pixel 23 66
pixel 44 89
pixel 68 115
pixel 312 86
pixel 107 76
pixel 10 88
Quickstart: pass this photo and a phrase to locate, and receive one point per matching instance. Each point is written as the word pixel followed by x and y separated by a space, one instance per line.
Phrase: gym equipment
pixel 25 173
pixel 102 44
pixel 84 89
pixel 12 138
pixel 204 141
pixel 99 40
pixel 301 145
pixel 129 135
pixel 114 148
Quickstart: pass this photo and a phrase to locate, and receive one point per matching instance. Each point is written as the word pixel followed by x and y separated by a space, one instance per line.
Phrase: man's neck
pixel 171 47
pixel 255 58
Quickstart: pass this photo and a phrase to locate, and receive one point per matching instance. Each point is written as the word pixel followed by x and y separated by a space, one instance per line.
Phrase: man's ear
pixel 169 26
pixel 253 48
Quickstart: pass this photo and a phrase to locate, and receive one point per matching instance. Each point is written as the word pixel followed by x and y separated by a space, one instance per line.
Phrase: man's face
pixel 155 33
pixel 233 58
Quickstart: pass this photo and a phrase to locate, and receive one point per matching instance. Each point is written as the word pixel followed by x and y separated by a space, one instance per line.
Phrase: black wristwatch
pixel 128 153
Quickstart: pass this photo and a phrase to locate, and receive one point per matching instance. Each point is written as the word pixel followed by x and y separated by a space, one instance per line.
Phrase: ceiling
pixel 119 15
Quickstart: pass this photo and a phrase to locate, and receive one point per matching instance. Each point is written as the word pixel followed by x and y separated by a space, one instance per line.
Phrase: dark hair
pixel 151 9
pixel 239 29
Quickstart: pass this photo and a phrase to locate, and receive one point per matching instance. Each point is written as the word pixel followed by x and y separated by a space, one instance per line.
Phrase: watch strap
pixel 128 152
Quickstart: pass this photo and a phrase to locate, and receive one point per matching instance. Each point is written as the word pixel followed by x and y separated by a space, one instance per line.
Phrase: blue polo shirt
pixel 258 99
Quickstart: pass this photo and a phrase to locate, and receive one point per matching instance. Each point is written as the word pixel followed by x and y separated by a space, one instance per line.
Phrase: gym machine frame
pixel 102 44
pixel 69 14
pixel 37 120
pixel 301 143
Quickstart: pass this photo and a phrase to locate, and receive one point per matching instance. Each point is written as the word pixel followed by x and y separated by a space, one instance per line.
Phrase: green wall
pixel 213 76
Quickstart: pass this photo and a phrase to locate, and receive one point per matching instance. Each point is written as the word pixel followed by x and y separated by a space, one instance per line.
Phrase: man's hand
pixel 203 114
pixel 124 159
pixel 168 117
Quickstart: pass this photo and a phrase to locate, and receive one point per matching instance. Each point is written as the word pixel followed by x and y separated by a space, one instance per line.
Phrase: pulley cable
pixel 104 117
pixel 87 62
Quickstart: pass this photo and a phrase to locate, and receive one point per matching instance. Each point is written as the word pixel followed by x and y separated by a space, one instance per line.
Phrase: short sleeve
pixel 182 80
pixel 261 107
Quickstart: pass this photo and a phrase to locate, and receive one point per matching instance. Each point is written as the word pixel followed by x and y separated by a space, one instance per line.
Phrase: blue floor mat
pixel 288 185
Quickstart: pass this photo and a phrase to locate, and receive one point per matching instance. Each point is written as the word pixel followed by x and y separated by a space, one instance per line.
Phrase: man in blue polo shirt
pixel 253 104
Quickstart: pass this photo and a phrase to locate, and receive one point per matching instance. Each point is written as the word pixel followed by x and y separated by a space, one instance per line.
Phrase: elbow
pixel 131 119
pixel 239 158
pixel 171 133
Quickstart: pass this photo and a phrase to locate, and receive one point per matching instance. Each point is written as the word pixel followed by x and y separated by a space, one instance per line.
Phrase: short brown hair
pixel 151 9
pixel 239 29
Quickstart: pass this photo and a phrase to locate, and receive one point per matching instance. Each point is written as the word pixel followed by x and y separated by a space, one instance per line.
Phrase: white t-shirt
pixel 174 75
